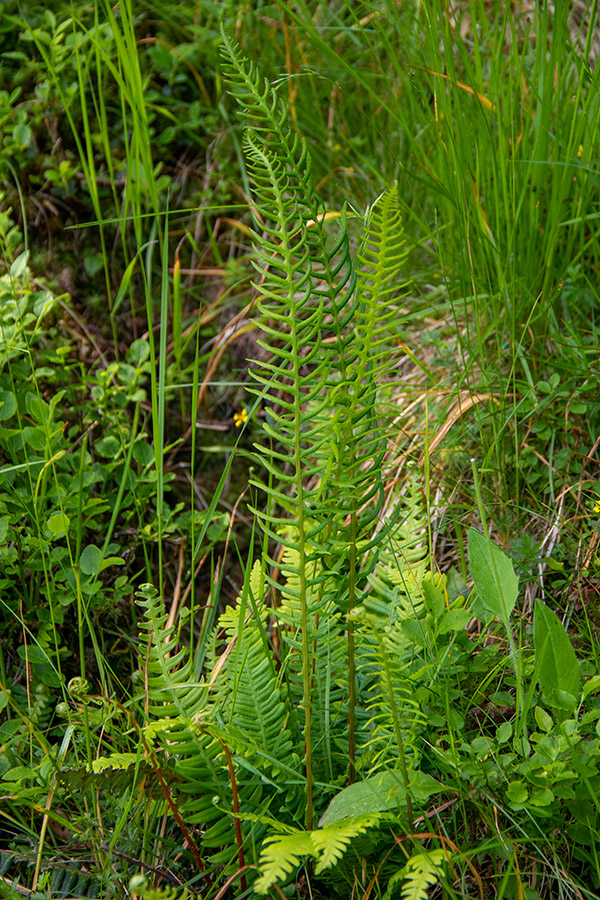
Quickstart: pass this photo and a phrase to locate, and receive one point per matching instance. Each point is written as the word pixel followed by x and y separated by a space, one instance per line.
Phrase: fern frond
pixel 331 841
pixel 281 854
pixel 139 886
pixel 253 698
pixel 394 717
pixel 421 872
pixel 121 776
pixel 329 659
pixel 379 285
pixel 402 563
pixel 171 686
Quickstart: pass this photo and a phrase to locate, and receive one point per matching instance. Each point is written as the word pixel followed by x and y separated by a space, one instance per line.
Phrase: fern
pixel 138 885
pixel 120 773
pixel 327 332
pixel 282 854
pixel 329 676
pixel 254 701
pixel 171 690
pixel 234 740
pixel 420 872
pixel 331 841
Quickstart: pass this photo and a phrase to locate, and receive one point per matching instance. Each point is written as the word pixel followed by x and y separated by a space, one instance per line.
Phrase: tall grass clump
pixel 488 116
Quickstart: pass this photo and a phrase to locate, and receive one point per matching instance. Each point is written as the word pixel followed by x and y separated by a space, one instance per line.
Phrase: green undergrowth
pixel 323 623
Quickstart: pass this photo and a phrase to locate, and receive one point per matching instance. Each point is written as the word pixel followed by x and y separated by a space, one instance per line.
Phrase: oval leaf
pixel 554 655
pixel 90 560
pixel 496 583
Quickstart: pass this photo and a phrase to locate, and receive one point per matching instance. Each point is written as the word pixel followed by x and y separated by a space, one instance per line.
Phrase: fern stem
pixel 396 720
pixel 236 812
pixel 306 666
pixel 351 662
pixel 150 755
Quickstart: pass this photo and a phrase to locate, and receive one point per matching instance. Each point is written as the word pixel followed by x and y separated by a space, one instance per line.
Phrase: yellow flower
pixel 579 151
pixel 240 418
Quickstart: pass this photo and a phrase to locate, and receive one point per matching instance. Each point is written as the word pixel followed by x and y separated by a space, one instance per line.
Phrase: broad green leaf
pixel 143 453
pixel 414 631
pixel 422 786
pixel 22 134
pixel 108 447
pixel 494 576
pixel 434 599
pixel 543 797
pixel 555 658
pixel 19 772
pixel 504 732
pixel 19 265
pixel 8 405
pixel 454 620
pixel 375 794
pixel 90 561
pixel 543 720
pixel 517 793
pixel 58 524
pixel 33 654
pixel 564 700
pixel 34 437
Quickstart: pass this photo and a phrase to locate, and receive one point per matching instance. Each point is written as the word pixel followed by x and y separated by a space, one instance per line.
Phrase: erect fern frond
pixel 389 697
pixel 281 854
pixel 266 116
pixel 262 108
pixel 382 257
pixel 402 563
pixel 326 335
pixel 329 664
pixel 253 698
pixel 171 688
pixel 361 444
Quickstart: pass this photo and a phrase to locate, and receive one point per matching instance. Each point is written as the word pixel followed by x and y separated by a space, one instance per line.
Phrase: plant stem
pixel 351 663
